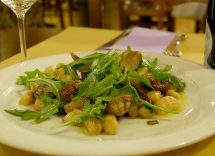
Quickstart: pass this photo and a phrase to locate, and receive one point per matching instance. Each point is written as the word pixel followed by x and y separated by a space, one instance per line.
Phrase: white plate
pixel 194 123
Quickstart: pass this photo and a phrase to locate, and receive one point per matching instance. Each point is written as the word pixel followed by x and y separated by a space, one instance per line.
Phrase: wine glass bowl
pixel 20 7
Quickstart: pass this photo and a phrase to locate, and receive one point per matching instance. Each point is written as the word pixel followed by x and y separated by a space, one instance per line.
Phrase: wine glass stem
pixel 22 38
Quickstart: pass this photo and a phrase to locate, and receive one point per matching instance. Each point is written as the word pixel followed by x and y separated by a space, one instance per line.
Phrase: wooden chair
pixel 95 10
pixel 161 12
pixel 96 13
pixel 156 8
pixel 56 6
pixel 175 2
pixel 200 23
pixel 70 6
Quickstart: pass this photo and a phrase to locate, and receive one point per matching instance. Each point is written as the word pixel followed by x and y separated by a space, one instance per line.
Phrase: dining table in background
pixel 87 39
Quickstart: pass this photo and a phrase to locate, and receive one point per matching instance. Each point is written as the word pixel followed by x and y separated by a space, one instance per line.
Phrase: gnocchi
pixel 167 102
pixel 97 91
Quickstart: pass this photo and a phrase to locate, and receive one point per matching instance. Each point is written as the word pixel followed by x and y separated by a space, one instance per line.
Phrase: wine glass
pixel 20 7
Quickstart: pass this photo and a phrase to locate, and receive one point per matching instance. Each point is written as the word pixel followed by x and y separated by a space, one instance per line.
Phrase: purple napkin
pixel 145 40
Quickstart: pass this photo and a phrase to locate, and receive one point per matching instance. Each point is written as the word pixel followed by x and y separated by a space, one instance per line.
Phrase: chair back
pixel 161 11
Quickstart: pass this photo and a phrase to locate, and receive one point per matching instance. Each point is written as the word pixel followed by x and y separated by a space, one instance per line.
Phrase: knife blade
pixel 114 40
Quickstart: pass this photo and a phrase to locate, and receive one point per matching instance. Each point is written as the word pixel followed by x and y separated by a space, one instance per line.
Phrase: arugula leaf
pixel 101 64
pixel 177 82
pixel 68 70
pixel 166 68
pixel 115 69
pixel 50 108
pixel 23 80
pixel 102 86
pixel 164 74
pixel 24 114
pixel 97 88
pixel 54 86
pixel 126 90
pixel 95 110
pixel 144 80
pixel 105 70
pixel 153 107
pixel 85 60
pixel 160 75
pixel 134 93
pixel 153 63
pixel 87 83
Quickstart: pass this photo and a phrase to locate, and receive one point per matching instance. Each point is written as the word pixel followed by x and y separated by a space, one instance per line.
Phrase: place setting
pixel 136 94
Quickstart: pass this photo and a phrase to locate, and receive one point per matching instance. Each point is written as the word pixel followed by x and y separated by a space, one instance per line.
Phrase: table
pixel 85 39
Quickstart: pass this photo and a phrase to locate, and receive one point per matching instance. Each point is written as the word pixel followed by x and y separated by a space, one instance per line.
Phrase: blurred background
pixel 48 17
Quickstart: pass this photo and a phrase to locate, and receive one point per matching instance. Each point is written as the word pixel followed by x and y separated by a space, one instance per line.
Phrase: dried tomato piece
pixel 68 91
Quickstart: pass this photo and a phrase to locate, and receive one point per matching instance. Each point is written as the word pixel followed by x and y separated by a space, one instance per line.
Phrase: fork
pixel 173 48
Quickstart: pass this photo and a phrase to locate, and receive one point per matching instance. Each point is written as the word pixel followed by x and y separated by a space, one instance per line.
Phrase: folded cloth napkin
pixel 145 40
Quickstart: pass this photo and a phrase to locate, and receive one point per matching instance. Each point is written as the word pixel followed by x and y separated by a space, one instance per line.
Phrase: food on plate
pixel 94 92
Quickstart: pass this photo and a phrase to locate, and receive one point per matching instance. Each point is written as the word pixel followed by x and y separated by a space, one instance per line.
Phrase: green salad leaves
pixel 102 77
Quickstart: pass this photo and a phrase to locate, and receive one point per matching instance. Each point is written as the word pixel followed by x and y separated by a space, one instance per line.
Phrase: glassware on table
pixel 210 36
pixel 20 7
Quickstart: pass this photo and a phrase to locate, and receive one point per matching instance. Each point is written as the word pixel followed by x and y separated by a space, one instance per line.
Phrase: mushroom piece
pixel 119 105
pixel 134 58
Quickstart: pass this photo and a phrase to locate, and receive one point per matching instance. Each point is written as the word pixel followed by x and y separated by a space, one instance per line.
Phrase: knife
pixel 114 40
